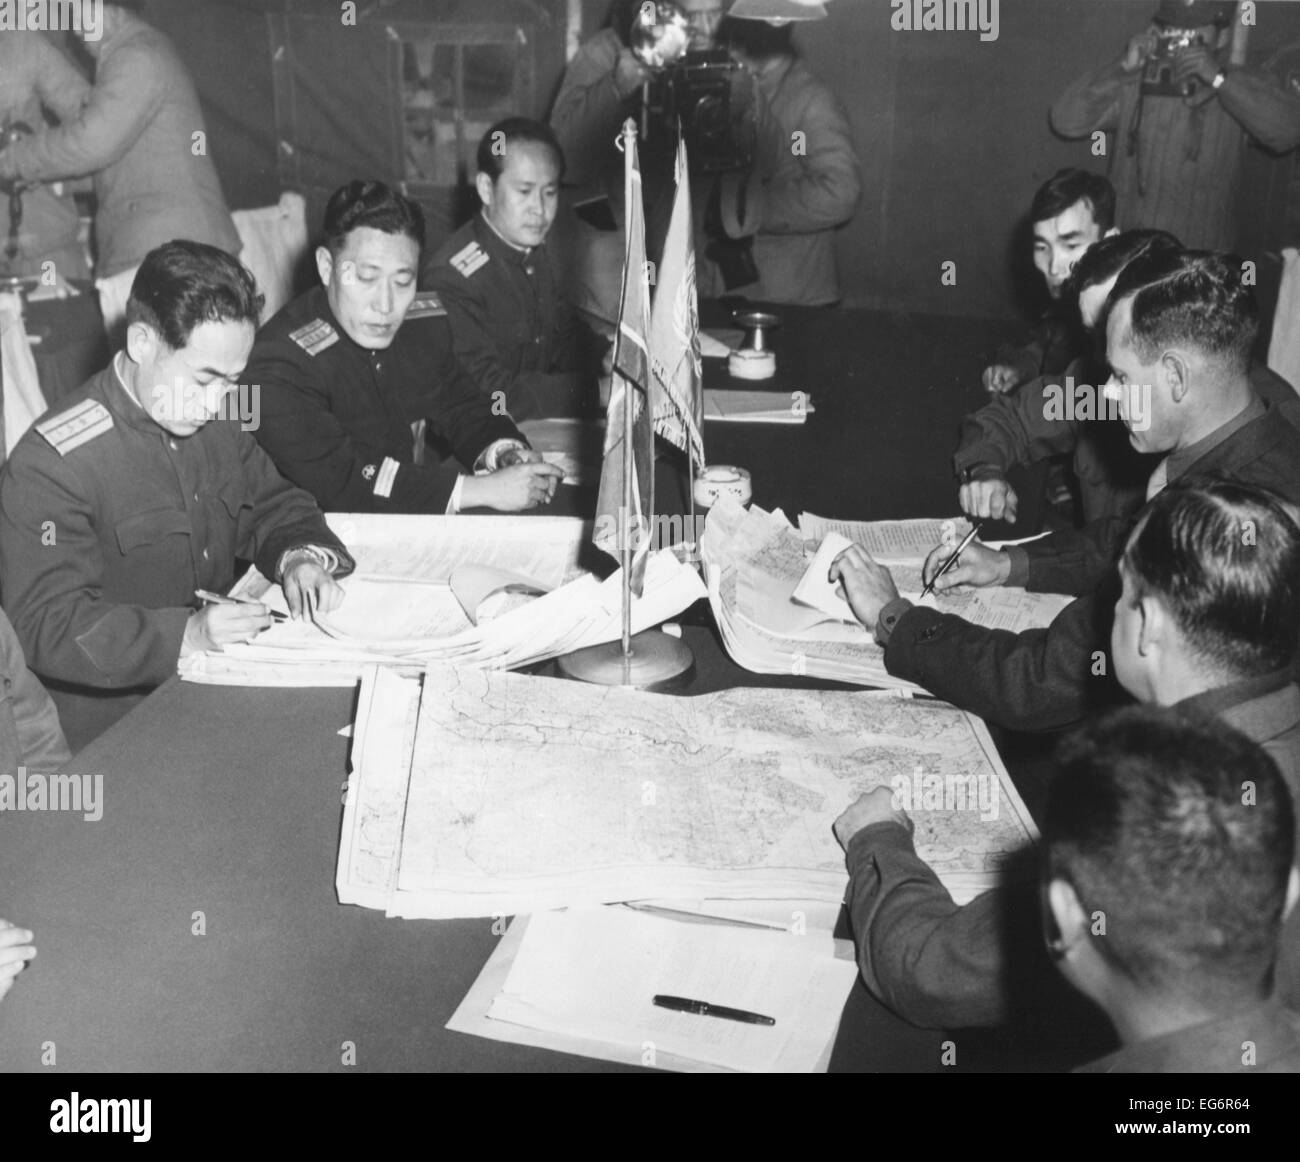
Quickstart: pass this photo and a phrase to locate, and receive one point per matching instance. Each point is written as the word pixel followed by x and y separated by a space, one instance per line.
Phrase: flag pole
pixel 629 403
pixel 652 659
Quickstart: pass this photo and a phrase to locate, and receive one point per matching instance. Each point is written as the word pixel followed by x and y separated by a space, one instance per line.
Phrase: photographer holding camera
pixel 605 83
pixel 773 171
pixel 1180 103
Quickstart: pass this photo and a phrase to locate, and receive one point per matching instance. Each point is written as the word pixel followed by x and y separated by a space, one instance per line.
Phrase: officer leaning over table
pixel 118 506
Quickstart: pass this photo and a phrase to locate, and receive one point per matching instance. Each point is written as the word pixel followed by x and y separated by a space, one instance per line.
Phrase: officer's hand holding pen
pixel 217 625
pixel 976 565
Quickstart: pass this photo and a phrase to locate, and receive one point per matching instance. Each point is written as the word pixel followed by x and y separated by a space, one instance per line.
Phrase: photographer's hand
pixel 1137 51
pixel 1195 61
pixel 629 74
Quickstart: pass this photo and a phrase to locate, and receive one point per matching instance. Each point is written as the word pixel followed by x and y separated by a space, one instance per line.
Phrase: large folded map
pixel 476 793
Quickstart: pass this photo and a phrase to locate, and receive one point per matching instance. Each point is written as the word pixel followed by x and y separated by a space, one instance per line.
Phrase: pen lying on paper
pixel 952 560
pixel 704 1009
pixel 217 599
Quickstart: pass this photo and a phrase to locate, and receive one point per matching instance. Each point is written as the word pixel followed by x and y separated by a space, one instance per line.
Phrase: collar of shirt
pixel 126 407
pixel 1215 703
pixel 490 239
pixel 1178 462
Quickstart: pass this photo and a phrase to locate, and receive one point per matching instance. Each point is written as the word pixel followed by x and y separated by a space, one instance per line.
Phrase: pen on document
pixel 219 599
pixel 704 1009
pixel 952 560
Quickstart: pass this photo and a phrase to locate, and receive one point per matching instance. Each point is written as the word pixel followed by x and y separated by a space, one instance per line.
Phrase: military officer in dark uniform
pixel 351 372
pixel 510 325
pixel 117 507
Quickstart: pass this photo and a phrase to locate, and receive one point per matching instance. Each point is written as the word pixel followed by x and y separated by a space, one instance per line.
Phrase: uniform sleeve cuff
pixel 489 459
pixel 889 617
pixel 1019 574
pixel 886 834
pixel 453 504
pixel 327 559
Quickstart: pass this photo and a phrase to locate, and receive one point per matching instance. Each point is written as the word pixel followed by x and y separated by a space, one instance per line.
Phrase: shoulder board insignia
pixel 470 259
pixel 76 426
pixel 425 305
pixel 315 337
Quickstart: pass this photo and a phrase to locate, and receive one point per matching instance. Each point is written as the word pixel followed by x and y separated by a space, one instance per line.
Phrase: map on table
pixel 523 793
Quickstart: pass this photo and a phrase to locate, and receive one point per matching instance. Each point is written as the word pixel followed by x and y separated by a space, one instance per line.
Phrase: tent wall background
pixel 952 131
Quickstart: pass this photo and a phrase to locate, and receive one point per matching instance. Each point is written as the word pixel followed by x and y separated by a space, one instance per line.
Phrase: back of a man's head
pixel 1223 558
pixel 1190 299
pixel 373 205
pixel 182 284
pixel 1177 836
pixel 1104 259
pixel 1068 186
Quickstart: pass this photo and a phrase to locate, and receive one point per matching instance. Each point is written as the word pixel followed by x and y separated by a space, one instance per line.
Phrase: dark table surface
pixel 195 925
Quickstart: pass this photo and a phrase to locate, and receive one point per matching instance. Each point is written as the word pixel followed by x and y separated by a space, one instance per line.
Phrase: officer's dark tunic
pixel 342 421
pixel 511 327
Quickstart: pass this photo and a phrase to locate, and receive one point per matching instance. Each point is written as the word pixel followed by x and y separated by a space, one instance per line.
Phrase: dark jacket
pixel 510 327
pixel 343 422
pixel 1047 679
pixel 944 966
pixel 108 524
pixel 30 734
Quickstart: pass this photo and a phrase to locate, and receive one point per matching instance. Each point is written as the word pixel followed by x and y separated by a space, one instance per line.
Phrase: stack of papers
pixel 494 592
pixel 583 981
pixel 777 614
pixel 756 407
pixel 476 793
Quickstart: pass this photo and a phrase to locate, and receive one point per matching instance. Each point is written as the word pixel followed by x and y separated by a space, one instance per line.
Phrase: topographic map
pixel 528 793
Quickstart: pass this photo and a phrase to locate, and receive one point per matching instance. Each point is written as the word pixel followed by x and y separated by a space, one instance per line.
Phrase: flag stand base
pixel 658 662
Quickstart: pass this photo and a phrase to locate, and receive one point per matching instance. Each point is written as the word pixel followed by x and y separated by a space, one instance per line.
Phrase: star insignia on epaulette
pixel 368 472
pixel 470 259
pixel 425 305
pixel 78 425
pixel 315 337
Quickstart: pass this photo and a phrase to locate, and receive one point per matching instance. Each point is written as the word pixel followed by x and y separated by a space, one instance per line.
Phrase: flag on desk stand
pixel 677 402
pixel 626 500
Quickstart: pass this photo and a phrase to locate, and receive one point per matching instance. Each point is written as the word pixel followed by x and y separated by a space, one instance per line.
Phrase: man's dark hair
pixel 496 141
pixel 182 284
pixel 1224 558
pixel 370 204
pixel 1193 298
pixel 1106 257
pixel 756 38
pixel 1068 186
pixel 1178 833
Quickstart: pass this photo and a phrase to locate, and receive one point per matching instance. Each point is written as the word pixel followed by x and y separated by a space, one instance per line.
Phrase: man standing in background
pixel 1180 111
pixel 141 136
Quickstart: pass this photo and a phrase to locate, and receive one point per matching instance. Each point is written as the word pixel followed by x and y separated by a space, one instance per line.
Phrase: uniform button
pixel 206 555
pixel 172 445
pixel 196 497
